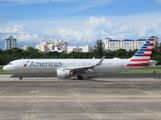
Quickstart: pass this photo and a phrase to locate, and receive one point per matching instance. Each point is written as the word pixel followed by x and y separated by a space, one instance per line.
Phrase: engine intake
pixel 64 74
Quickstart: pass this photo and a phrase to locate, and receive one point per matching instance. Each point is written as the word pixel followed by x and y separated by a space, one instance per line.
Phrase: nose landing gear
pixel 20 76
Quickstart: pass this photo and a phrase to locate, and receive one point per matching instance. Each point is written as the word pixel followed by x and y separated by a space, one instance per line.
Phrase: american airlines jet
pixel 65 68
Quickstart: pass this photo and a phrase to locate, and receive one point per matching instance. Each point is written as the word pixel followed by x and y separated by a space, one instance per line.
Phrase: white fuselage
pixel 51 65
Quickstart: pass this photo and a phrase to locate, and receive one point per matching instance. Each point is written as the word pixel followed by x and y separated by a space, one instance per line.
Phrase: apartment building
pixel 60 46
pixel 51 46
pixel 86 48
pixel 127 44
pixel 10 42
pixel 109 44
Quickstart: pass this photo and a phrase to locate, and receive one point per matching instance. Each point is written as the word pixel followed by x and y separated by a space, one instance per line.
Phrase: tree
pixel 98 48
pixel 121 53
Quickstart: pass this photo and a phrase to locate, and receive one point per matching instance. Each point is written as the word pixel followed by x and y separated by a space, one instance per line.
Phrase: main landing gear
pixel 80 77
pixel 20 76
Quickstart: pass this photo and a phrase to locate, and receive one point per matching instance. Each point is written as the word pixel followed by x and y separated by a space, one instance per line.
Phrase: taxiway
pixel 101 98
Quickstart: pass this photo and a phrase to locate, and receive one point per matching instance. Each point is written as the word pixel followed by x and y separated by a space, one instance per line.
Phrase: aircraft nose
pixel 5 68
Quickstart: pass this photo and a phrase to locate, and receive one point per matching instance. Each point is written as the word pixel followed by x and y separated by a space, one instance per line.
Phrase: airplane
pixel 66 68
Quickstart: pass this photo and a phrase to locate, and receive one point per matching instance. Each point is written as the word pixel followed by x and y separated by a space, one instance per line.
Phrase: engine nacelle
pixel 64 74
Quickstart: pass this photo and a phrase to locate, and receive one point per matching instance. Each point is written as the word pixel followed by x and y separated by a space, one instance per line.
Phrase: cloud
pixel 29 37
pixel 24 1
pixel 94 22
pixel 143 30
pixel 88 2
pixel 20 32
pixel 86 31
pixel 91 3
pixel 3 20
pixel 75 36
pixel 158 1
pixel 15 29
pixel 84 1
pixel 101 27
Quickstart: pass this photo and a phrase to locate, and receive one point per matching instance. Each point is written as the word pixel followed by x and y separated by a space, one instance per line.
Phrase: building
pixel 86 48
pixel 50 46
pixel 10 42
pixel 26 47
pixel 127 44
pixel 60 46
pixel 110 44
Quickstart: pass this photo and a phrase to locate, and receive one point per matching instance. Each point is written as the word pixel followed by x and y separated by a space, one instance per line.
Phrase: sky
pixel 78 22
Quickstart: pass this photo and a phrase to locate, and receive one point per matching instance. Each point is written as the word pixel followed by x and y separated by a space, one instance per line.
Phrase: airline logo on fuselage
pixel 45 64
pixel 26 63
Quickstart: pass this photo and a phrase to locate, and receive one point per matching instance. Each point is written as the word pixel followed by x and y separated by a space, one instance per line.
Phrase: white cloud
pixel 92 3
pixel 29 37
pixel 85 36
pixel 19 32
pixel 101 27
pixel 3 20
pixel 15 29
pixel 94 22
pixel 18 28
pixel 85 31
pixel 124 28
pixel 25 1
pixel 158 1
pixel 143 30
pixel 89 3
pixel 159 28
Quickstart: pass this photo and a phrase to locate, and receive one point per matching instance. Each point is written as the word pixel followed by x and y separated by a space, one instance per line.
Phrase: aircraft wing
pixel 77 68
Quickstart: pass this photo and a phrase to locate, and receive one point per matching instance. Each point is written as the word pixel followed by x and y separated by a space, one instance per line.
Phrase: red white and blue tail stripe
pixel 142 56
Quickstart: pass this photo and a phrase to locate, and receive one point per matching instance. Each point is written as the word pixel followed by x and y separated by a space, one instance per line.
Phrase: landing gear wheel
pixel 80 77
pixel 20 77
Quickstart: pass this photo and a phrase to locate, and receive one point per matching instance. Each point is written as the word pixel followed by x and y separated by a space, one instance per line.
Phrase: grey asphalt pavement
pixel 98 98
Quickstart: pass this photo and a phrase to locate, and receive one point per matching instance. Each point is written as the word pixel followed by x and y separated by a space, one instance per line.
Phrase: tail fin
pixel 144 53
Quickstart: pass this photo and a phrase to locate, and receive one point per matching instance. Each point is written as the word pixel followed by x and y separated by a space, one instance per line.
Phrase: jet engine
pixel 64 74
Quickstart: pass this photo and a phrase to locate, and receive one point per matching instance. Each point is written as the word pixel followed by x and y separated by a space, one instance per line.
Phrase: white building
pixel 112 45
pixel 86 48
pixel 60 46
pixel 10 42
pixel 26 47
pixel 127 44
pixel 50 46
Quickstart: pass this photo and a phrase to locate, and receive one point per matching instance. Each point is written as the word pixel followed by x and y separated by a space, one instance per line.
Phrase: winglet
pixel 100 62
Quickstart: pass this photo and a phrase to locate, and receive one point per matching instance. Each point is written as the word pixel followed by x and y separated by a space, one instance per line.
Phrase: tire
pixel 21 78
pixel 80 77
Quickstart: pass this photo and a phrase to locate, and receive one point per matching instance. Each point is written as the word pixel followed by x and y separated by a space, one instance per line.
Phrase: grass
pixel 3 72
pixel 1 66
pixel 147 70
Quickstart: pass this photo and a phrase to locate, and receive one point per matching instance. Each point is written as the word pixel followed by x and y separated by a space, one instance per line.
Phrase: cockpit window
pixel 11 64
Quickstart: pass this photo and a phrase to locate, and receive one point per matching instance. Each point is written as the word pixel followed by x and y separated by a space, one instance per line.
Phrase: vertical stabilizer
pixel 142 56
